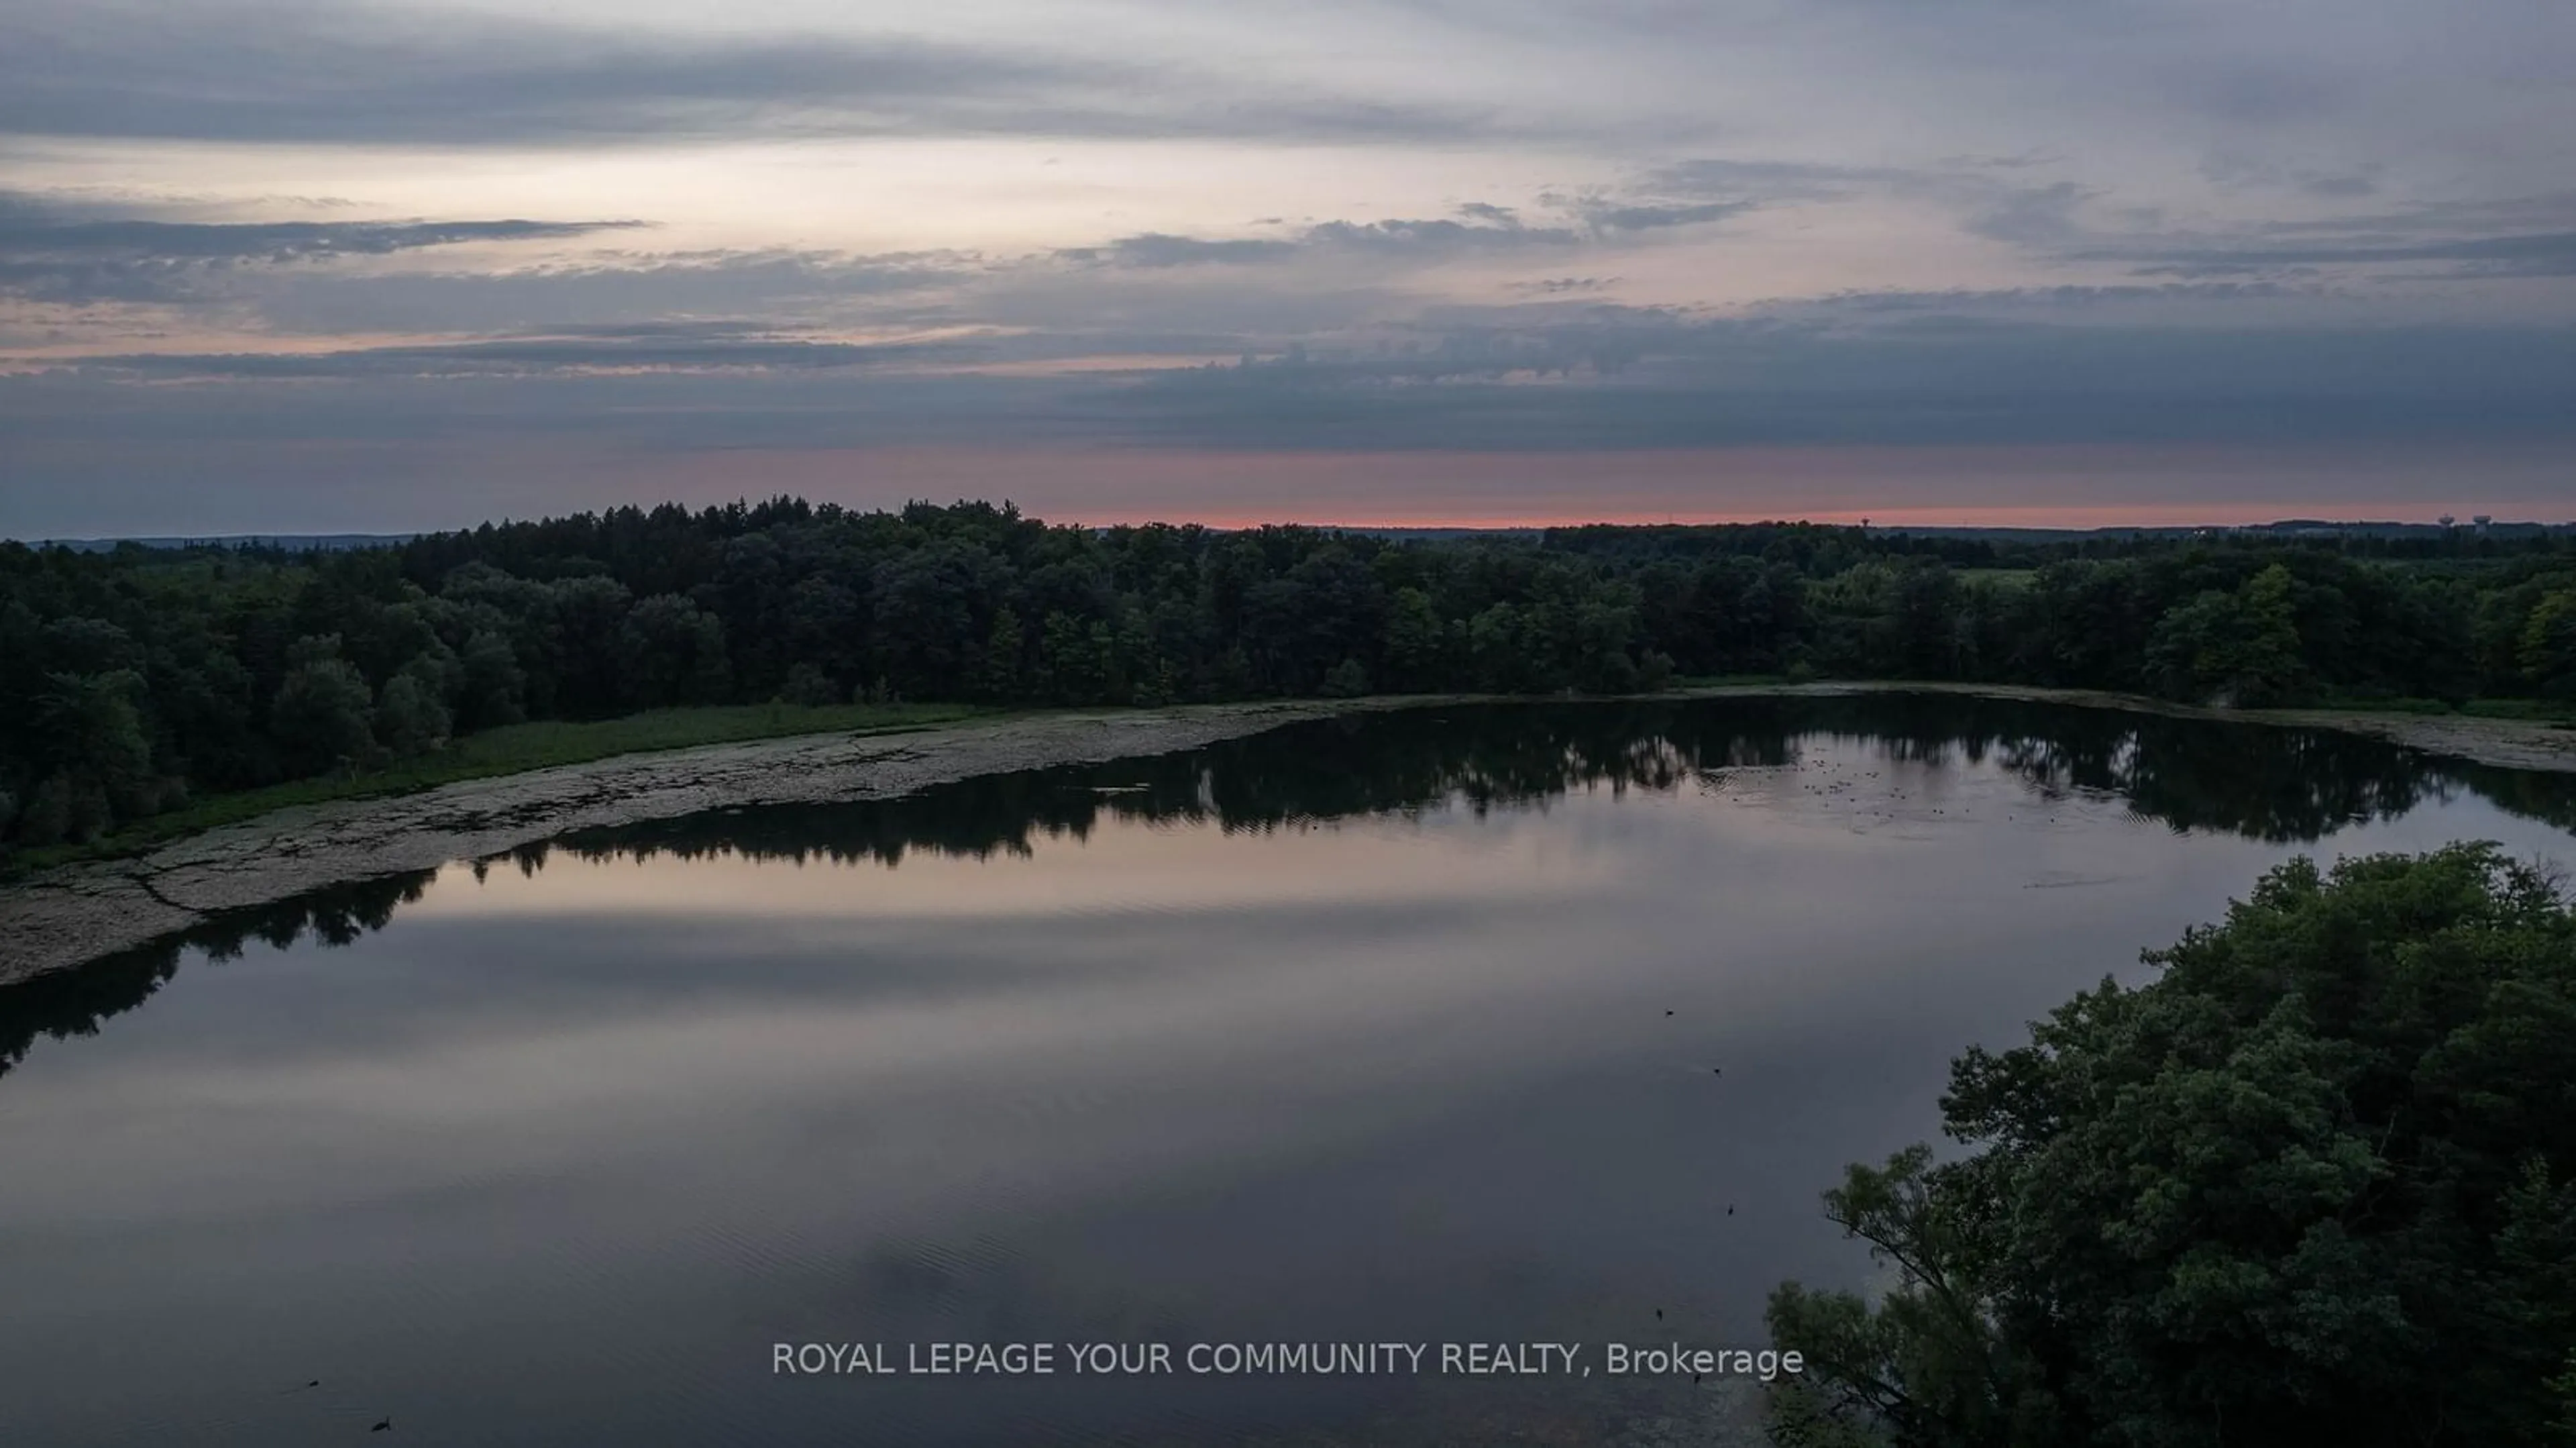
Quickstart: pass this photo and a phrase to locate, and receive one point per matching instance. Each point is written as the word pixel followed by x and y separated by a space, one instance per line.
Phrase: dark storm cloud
pixel 335 75
pixel 49 252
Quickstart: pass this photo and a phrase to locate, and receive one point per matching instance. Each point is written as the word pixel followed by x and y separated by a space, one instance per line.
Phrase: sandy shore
pixel 77 913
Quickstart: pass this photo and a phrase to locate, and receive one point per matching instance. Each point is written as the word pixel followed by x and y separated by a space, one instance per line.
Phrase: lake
pixel 1501 1024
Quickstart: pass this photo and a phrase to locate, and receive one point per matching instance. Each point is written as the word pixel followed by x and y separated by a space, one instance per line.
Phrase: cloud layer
pixel 243 237
pixel 341 75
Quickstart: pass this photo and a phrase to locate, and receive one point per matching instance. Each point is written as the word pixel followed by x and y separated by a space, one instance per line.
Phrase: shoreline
pixel 73 914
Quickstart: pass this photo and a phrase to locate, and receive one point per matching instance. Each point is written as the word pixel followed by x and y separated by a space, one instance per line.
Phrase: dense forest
pixel 133 677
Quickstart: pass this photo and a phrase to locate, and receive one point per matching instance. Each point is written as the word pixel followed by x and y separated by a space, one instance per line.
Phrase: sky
pixel 388 265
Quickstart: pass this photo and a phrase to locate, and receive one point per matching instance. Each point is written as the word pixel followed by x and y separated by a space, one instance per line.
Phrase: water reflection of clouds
pixel 1080 1061
pixel 475 1074
pixel 1417 959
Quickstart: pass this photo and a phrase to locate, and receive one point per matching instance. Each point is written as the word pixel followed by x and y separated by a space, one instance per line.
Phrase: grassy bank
pixel 511 749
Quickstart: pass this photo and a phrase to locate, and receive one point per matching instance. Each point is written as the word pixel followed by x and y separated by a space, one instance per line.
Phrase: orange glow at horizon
pixel 463 481
pixel 2031 486
pixel 1969 517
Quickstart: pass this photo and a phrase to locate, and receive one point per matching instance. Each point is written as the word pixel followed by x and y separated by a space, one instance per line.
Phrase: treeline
pixel 130 678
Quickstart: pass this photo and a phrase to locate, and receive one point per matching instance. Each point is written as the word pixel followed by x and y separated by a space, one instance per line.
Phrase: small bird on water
pixel 1730 1209
pixel 383 1425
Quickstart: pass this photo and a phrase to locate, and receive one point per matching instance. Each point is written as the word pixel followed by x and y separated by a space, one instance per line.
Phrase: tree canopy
pixel 131 677
pixel 2315 1183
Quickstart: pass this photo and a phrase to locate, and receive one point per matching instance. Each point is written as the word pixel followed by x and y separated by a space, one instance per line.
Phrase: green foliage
pixel 2238 648
pixel 2315 1183
pixel 999 677
pixel 97 758
pixel 2546 649
pixel 594 616
pixel 410 720
pixel 1076 660
pixel 1925 1361
pixel 321 715
pixel 93 762
pixel 672 653
pixel 493 689
pixel 510 749
pixel 808 687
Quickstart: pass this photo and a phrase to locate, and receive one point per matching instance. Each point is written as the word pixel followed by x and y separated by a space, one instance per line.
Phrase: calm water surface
pixel 1408 1027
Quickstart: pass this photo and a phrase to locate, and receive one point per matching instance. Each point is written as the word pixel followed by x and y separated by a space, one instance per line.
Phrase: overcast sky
pixel 383 266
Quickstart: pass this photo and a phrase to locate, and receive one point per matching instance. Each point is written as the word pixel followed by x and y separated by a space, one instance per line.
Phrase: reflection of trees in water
pixel 2280 785
pixel 1476 758
pixel 2547 797
pixel 69 1003
pixel 2274 784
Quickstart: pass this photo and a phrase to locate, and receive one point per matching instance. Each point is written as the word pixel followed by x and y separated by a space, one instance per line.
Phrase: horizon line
pixel 2036 520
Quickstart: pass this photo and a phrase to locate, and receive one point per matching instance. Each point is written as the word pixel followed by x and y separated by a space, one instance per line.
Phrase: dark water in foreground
pixel 1402 1028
